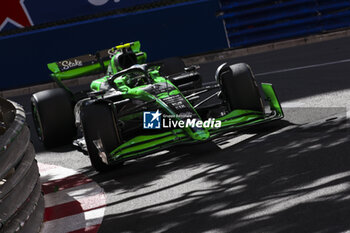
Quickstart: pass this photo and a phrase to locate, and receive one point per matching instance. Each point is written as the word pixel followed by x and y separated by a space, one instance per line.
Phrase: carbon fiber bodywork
pixel 127 91
pixel 128 107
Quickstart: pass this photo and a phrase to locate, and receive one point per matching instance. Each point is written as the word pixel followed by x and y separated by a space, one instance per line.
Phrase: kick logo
pixel 151 120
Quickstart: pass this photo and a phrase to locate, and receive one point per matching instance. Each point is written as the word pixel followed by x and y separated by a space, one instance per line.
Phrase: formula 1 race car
pixel 139 108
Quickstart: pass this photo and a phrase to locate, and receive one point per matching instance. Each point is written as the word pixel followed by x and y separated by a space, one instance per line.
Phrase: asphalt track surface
pixel 290 176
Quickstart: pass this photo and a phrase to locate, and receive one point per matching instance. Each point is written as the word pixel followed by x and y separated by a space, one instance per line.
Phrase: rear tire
pixel 98 122
pixel 54 117
pixel 239 88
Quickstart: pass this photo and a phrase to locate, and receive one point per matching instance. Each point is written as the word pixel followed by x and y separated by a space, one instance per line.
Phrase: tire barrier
pixel 21 200
pixel 253 22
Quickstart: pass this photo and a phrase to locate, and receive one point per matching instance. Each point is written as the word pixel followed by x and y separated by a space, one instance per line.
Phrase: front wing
pixel 233 121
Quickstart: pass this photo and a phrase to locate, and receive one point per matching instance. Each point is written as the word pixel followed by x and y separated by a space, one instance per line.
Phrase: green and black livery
pixel 109 115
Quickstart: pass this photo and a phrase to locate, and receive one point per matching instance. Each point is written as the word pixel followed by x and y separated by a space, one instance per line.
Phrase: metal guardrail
pixel 253 22
pixel 21 200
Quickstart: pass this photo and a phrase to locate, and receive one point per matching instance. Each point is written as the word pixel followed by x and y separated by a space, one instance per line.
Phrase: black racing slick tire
pixel 239 88
pixel 100 130
pixel 53 117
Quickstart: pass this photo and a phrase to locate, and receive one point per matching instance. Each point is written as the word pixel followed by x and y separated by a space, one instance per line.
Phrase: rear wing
pixel 91 63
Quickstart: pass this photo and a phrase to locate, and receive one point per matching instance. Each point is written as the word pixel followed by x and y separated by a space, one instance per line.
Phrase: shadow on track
pixel 296 180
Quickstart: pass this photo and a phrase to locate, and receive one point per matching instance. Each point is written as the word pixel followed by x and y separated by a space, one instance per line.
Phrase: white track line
pixel 304 67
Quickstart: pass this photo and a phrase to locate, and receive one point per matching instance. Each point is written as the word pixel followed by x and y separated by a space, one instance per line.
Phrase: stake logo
pixel 151 120
pixel 67 65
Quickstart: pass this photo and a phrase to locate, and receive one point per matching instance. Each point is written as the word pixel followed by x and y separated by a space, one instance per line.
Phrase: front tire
pixel 99 127
pixel 53 117
pixel 239 88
